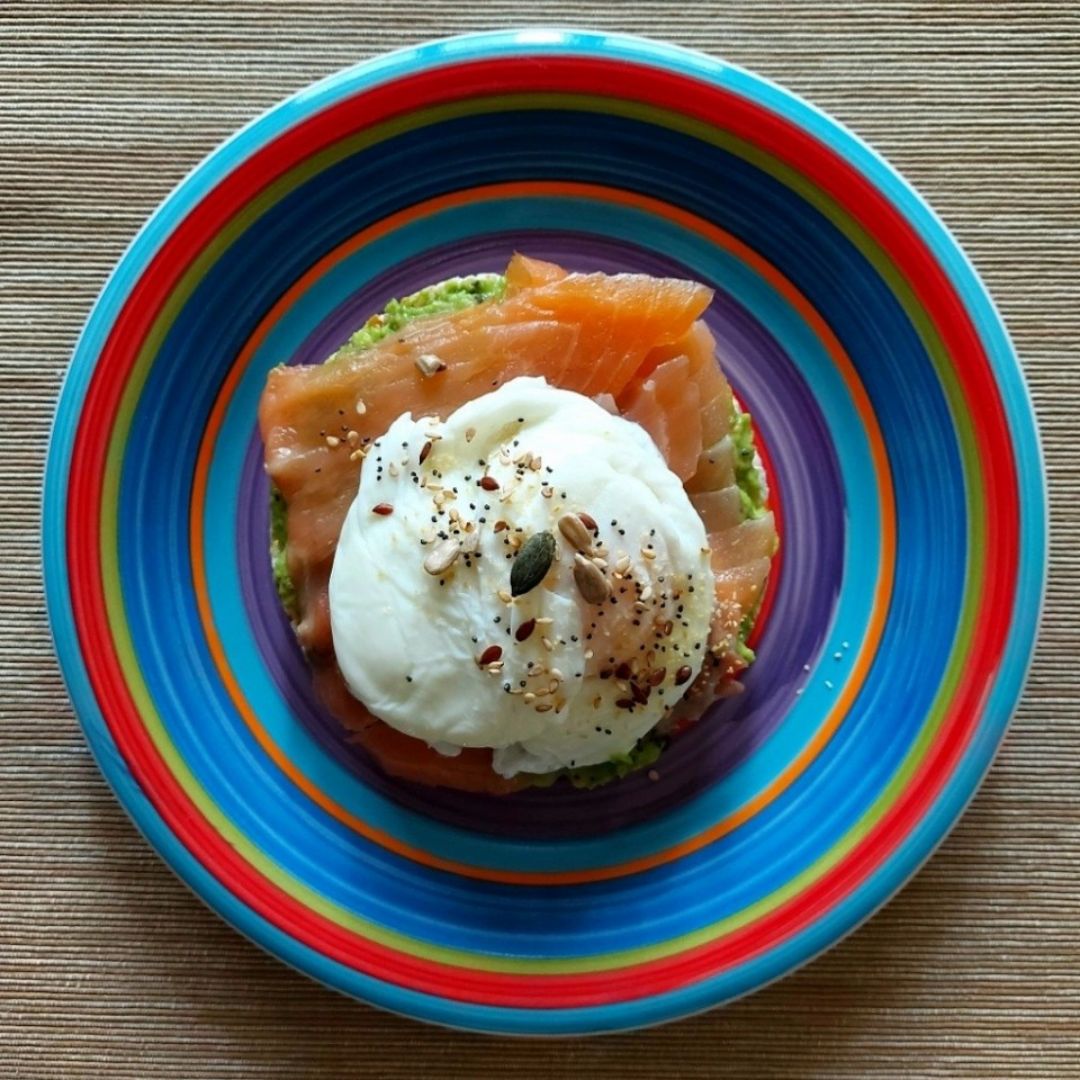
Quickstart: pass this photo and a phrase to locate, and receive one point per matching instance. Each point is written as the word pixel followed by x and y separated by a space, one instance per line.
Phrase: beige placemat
pixel 110 968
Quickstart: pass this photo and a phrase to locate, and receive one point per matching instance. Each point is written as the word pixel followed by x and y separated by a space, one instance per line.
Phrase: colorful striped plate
pixel 905 468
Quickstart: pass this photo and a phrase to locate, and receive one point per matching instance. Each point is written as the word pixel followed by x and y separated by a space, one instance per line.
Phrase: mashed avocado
pixel 453 295
pixel 283 583
pixel 647 750
pixel 747 473
pixel 441 299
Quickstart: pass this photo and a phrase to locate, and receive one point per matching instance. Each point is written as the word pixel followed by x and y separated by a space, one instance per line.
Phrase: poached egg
pixel 613 626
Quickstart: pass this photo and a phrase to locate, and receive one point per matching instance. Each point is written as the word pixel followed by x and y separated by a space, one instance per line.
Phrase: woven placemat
pixel 110 968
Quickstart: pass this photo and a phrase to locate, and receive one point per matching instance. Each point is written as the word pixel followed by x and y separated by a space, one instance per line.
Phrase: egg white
pixel 408 642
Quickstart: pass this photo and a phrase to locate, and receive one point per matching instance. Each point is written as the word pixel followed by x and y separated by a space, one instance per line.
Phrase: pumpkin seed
pixel 532 564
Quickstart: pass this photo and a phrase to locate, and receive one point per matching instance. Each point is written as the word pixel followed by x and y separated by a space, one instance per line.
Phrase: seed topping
pixel 575 531
pixel 590 580
pixel 429 364
pixel 442 557
pixel 490 655
pixel 532 564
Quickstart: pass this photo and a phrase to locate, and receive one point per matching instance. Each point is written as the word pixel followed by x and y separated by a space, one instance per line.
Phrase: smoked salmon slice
pixel 523 273
pixel 667 406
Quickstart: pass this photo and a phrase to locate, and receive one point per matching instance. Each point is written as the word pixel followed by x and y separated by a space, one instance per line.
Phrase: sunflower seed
pixel 442 557
pixel 590 580
pixel 429 364
pixel 573 528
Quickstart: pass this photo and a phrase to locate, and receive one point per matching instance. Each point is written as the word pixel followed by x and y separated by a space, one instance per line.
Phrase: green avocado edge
pixel 463 292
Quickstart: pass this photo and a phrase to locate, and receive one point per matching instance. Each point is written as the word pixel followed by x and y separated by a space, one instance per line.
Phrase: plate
pixel 906 474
